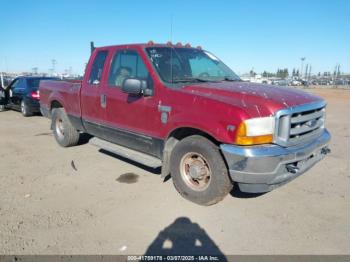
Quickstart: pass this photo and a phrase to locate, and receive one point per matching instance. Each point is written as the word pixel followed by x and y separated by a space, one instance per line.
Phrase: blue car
pixel 23 95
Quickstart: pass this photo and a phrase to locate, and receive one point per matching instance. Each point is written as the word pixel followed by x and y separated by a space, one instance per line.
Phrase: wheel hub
pixel 195 171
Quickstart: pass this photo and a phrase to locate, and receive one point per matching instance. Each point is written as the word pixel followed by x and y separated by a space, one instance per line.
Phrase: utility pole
pixel 306 71
pixel 336 73
pixel 302 65
pixel 53 62
pixel 35 70
pixel 2 77
pixel 2 80
pixel 309 73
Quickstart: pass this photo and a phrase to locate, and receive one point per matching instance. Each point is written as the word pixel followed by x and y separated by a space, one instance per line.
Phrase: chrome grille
pixel 298 124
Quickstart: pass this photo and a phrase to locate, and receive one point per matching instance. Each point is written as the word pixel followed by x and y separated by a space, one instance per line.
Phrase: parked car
pixel 22 94
pixel 340 82
pixel 296 82
pixel 2 98
pixel 324 81
pixel 281 82
pixel 184 110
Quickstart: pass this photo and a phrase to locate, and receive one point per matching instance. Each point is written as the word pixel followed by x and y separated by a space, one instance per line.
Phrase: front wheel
pixel 65 133
pixel 199 172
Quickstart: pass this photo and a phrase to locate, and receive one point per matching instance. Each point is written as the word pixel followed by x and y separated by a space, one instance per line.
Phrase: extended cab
pixel 183 109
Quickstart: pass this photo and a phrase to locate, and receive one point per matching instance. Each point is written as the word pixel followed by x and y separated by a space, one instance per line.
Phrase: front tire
pixel 199 172
pixel 25 109
pixel 65 133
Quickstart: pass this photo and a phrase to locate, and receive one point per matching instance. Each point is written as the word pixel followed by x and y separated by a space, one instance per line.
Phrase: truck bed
pixel 66 93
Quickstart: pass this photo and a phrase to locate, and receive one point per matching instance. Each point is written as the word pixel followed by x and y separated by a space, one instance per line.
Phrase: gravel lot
pixel 49 205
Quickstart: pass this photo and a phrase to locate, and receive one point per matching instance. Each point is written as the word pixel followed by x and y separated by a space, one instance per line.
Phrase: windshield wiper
pixel 190 79
pixel 227 78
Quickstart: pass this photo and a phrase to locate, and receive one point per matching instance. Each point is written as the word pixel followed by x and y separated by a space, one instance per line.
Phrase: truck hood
pixel 258 100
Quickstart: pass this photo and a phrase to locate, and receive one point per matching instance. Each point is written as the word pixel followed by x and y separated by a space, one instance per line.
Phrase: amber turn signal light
pixel 244 140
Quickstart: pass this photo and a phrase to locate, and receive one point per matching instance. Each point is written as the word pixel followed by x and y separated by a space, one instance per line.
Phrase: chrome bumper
pixel 263 168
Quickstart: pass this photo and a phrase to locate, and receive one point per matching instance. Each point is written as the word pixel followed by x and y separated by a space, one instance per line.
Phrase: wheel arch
pixel 182 132
pixel 174 137
pixel 55 104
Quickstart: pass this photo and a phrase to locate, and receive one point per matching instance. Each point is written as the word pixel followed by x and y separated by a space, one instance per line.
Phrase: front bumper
pixel 262 168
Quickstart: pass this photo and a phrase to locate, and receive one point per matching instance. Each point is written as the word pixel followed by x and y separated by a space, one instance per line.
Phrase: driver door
pixel 131 120
pixel 12 93
pixel 17 93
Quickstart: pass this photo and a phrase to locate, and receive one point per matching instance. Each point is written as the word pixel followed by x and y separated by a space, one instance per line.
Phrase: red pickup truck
pixel 183 109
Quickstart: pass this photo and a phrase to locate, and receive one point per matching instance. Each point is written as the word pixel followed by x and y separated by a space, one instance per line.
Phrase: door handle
pixel 103 100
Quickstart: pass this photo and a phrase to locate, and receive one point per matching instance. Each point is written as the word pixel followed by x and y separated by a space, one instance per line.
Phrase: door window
pixel 127 64
pixel 14 85
pixel 97 68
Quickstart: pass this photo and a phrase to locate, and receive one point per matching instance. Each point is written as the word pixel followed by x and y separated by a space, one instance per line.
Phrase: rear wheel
pixel 25 109
pixel 65 133
pixel 198 171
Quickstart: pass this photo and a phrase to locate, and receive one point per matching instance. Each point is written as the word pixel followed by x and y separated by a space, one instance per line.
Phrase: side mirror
pixel 134 86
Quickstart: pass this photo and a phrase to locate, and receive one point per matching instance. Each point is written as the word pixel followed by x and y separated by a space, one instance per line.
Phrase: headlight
pixel 256 131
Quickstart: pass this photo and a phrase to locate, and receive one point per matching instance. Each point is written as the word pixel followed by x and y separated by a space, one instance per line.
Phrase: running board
pixel 128 153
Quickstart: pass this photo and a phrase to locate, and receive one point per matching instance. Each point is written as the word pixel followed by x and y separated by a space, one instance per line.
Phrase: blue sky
pixel 263 35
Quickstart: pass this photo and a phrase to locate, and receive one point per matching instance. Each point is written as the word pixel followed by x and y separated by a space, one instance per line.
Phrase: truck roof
pixel 149 44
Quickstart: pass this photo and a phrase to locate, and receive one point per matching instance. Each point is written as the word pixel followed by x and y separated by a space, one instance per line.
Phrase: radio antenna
pixel 171 48
pixel 171 28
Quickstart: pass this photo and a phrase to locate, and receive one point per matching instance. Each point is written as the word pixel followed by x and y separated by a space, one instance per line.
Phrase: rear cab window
pixel 97 68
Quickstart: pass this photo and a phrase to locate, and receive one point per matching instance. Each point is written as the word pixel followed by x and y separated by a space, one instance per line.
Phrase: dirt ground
pixel 82 201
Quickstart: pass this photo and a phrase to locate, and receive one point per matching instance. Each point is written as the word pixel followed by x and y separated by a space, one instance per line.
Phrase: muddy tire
pixel 199 172
pixel 25 109
pixel 65 133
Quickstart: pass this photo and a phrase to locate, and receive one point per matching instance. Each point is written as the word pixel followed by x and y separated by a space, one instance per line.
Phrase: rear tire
pixel 65 133
pixel 25 109
pixel 199 172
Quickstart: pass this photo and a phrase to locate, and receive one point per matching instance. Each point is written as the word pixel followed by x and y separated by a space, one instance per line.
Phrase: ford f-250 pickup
pixel 182 109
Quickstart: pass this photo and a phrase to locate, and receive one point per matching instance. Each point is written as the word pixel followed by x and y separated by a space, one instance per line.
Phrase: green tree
pixel 252 73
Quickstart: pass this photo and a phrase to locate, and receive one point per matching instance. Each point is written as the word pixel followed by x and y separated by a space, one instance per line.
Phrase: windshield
pixel 176 65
